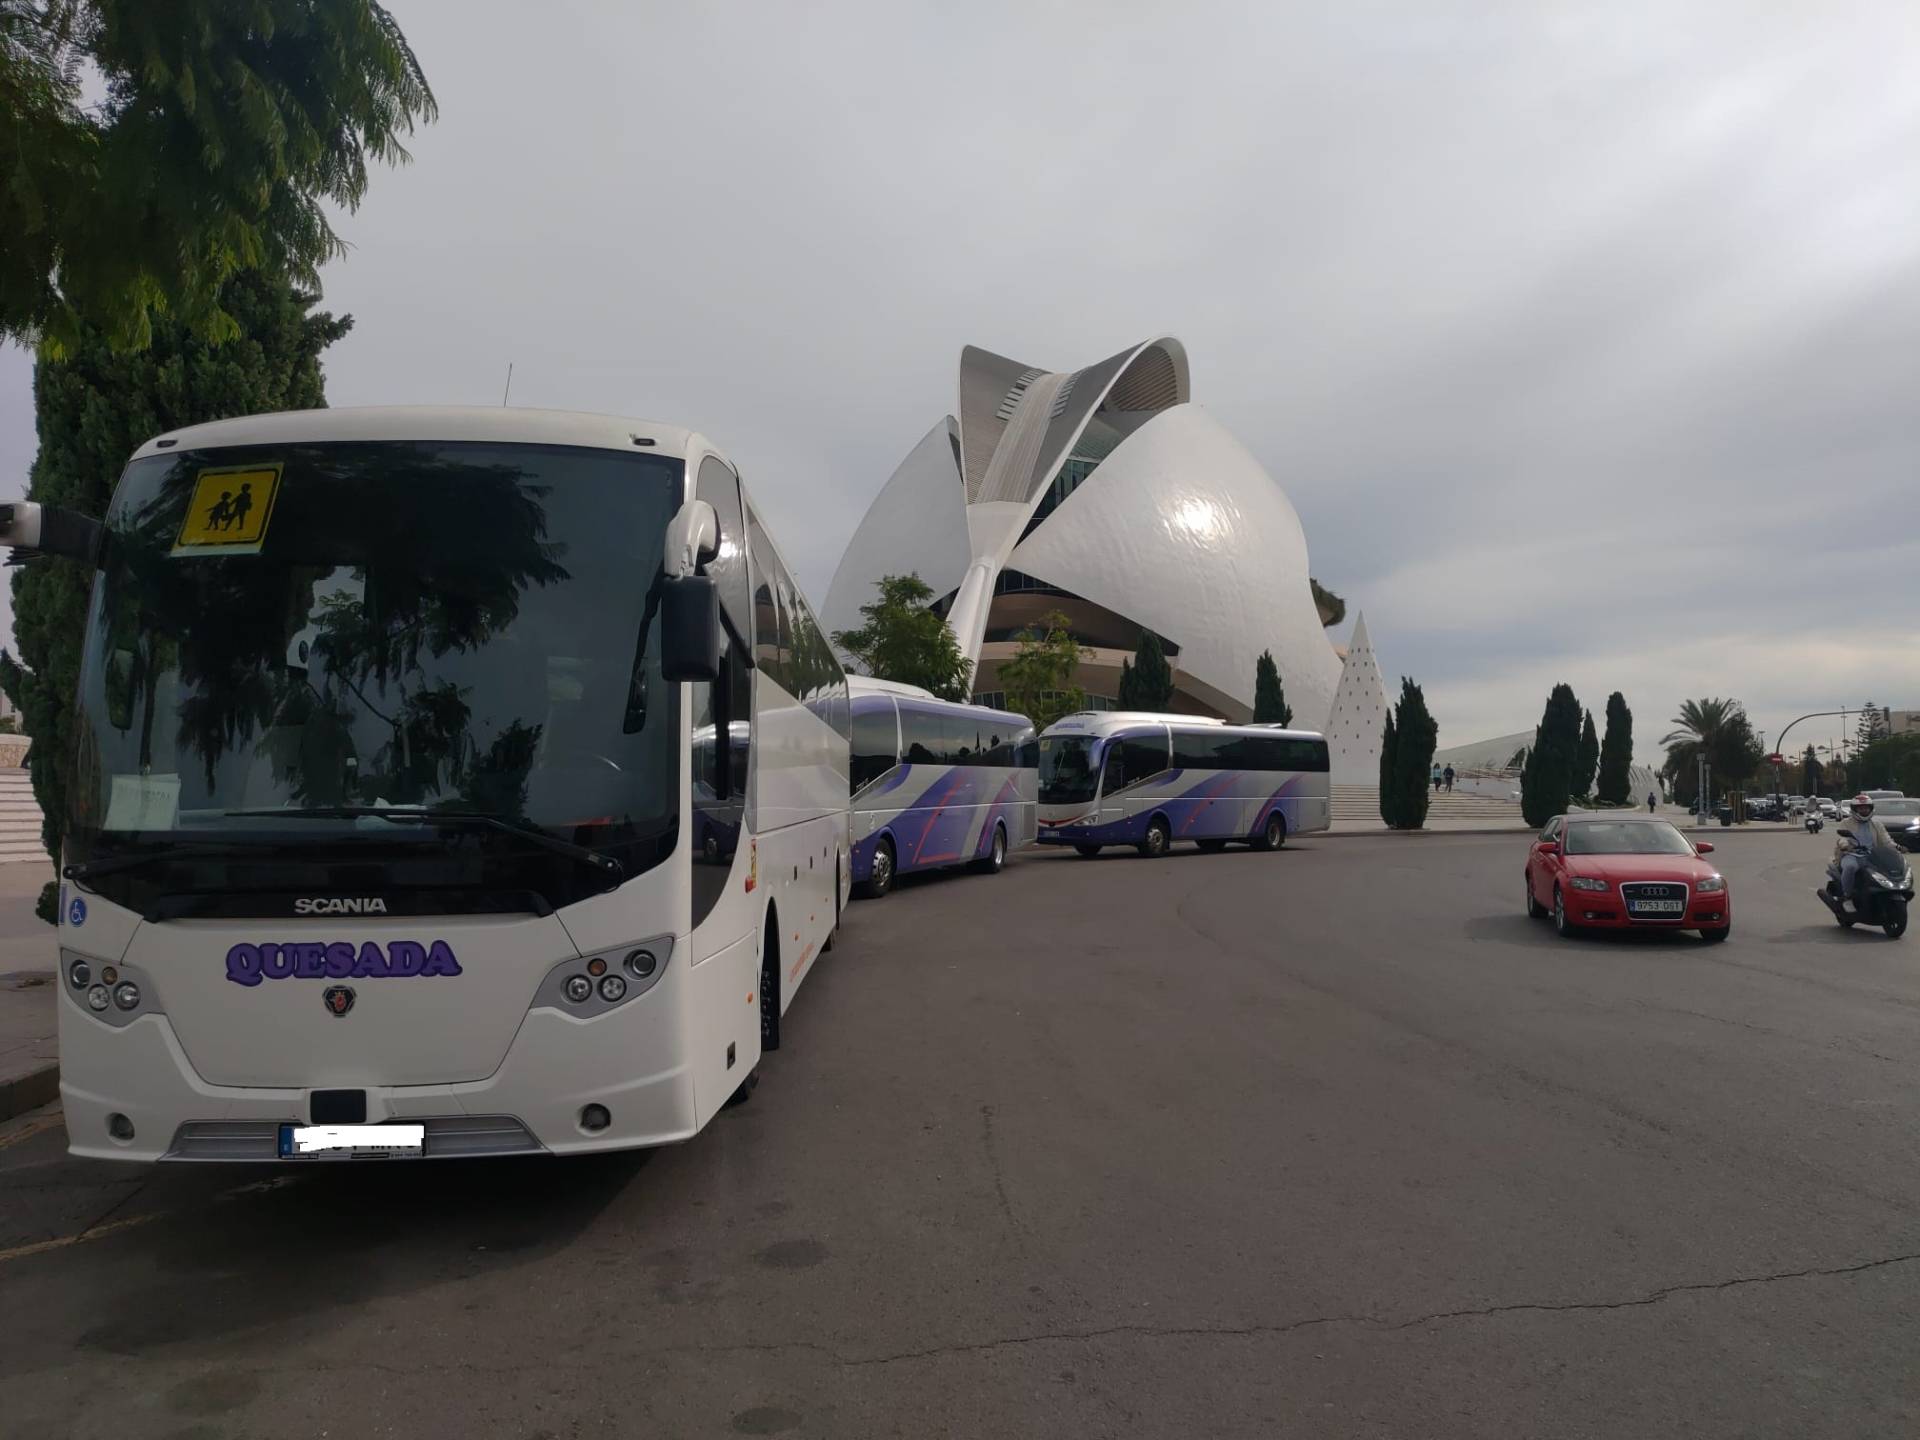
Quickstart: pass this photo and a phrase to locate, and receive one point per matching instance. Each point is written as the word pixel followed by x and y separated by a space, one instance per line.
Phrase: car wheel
pixel 1561 923
pixel 995 858
pixel 1086 852
pixel 1158 839
pixel 1534 908
pixel 880 878
pixel 1273 834
pixel 1716 936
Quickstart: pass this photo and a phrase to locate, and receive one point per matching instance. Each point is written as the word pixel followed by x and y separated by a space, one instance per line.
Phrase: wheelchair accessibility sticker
pixel 230 510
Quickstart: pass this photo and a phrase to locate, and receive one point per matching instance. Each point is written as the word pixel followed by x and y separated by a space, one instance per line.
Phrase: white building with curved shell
pixel 1104 493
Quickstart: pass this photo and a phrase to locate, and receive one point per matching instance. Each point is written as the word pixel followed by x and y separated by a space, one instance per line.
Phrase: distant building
pixel 1358 722
pixel 1106 494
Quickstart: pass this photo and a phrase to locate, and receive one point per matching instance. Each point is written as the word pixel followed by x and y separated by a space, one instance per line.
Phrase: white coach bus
pixel 1146 780
pixel 935 784
pixel 390 833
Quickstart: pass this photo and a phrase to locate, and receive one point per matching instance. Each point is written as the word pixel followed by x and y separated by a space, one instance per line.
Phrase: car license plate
pixel 351 1142
pixel 1658 907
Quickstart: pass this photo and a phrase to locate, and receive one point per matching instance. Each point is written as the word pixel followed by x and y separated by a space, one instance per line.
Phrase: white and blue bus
pixel 935 784
pixel 1132 778
pixel 399 825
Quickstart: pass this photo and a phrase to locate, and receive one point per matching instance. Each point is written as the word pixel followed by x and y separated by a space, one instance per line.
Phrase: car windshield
pixel 281 636
pixel 1067 773
pixel 1625 837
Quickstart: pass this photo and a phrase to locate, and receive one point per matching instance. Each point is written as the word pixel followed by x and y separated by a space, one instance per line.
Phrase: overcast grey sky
pixel 1585 338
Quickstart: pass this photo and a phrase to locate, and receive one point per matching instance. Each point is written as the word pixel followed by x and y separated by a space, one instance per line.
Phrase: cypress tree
pixel 1415 735
pixel 1389 755
pixel 1586 758
pixel 93 409
pixel 1546 784
pixel 1616 754
pixel 1269 698
pixel 1147 684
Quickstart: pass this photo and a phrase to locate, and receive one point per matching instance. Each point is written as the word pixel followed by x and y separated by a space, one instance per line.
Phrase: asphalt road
pixel 1325 1143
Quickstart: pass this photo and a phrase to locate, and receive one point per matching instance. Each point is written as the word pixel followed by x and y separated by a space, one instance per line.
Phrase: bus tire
pixel 880 877
pixel 1086 852
pixel 743 1092
pixel 1273 834
pixel 770 985
pixel 1211 845
pixel 1159 839
pixel 995 860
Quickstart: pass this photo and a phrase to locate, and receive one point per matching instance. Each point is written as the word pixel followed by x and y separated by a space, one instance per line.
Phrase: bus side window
pixel 1142 757
pixel 875 745
pixel 1026 751
pixel 921 738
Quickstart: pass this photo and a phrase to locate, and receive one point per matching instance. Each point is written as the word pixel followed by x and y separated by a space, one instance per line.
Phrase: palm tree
pixel 1718 727
pixel 1701 722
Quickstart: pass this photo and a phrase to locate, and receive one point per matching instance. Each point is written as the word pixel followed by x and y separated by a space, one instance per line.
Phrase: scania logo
pixel 331 905
pixel 338 999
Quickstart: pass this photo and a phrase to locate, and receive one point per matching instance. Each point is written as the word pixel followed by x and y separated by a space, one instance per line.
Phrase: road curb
pixel 30 1090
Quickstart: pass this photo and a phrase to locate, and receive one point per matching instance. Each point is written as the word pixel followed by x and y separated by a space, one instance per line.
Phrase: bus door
pixel 1112 777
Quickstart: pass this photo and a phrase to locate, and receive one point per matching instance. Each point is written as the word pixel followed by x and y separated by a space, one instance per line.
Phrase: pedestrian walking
pixel 1649 802
pixel 1436 779
pixel 1449 774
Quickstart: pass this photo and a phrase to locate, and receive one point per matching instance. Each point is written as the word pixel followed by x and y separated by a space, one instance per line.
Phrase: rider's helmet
pixel 1861 805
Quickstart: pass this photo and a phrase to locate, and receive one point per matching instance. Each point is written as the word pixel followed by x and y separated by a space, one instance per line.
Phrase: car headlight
pixel 1582 882
pixel 1712 885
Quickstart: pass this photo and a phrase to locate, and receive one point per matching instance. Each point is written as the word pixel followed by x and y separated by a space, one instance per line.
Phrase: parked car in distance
pixel 1878 795
pixel 1625 874
pixel 1902 819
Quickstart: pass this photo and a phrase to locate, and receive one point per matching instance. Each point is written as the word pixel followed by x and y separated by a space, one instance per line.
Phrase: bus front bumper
pixel 132 1094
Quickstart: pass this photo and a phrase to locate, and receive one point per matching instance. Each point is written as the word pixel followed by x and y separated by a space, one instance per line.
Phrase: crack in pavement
pixel 1372 1322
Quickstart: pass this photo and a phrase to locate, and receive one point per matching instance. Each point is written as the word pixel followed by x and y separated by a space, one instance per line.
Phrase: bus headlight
pixel 588 986
pixel 642 963
pixel 80 974
pixel 613 989
pixel 126 995
pixel 579 989
pixel 97 998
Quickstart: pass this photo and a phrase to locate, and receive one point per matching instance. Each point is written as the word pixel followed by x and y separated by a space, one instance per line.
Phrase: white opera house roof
pixel 1107 494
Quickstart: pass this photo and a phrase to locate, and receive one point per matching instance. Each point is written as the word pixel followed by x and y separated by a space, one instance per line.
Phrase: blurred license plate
pixel 351 1142
pixel 1658 907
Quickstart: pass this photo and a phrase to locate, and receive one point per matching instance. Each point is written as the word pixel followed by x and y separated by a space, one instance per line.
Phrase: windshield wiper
pixel 458 819
pixel 113 864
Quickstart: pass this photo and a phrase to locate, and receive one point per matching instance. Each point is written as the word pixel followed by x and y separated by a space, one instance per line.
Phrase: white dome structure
pixel 1104 493
pixel 1358 721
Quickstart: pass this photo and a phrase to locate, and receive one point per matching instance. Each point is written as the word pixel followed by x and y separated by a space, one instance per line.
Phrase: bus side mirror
pixel 689 628
pixel 35 529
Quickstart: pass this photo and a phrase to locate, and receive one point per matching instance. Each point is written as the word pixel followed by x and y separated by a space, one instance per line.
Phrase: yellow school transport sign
pixel 230 509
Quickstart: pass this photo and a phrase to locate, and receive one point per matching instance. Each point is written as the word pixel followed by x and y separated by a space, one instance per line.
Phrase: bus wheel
pixel 1274 834
pixel 1086 852
pixel 770 985
pixel 992 862
pixel 1158 839
pixel 880 877
pixel 743 1092
pixel 1211 845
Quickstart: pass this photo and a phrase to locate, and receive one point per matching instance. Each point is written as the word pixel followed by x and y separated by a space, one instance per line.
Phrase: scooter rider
pixel 1859 835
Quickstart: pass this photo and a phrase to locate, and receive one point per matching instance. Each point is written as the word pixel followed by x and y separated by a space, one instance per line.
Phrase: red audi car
pixel 1611 872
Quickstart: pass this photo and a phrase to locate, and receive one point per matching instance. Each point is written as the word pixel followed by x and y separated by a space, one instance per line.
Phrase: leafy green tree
pixel 905 641
pixel 93 410
pixel 1616 754
pixel 1721 730
pixel 1810 772
pixel 1269 699
pixel 1586 759
pixel 226 133
pixel 1415 736
pixel 1039 679
pixel 1331 607
pixel 1389 763
pixel 1546 783
pixel 1873 724
pixel 1146 684
pixel 1890 762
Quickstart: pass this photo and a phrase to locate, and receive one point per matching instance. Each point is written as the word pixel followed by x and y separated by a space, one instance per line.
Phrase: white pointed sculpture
pixel 1359 714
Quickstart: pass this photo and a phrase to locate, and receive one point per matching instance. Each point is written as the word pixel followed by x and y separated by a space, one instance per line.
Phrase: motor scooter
pixel 1882 890
pixel 1814 822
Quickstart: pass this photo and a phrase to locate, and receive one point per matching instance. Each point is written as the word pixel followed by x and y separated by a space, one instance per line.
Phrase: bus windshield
pixel 1067 774
pixel 456 630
